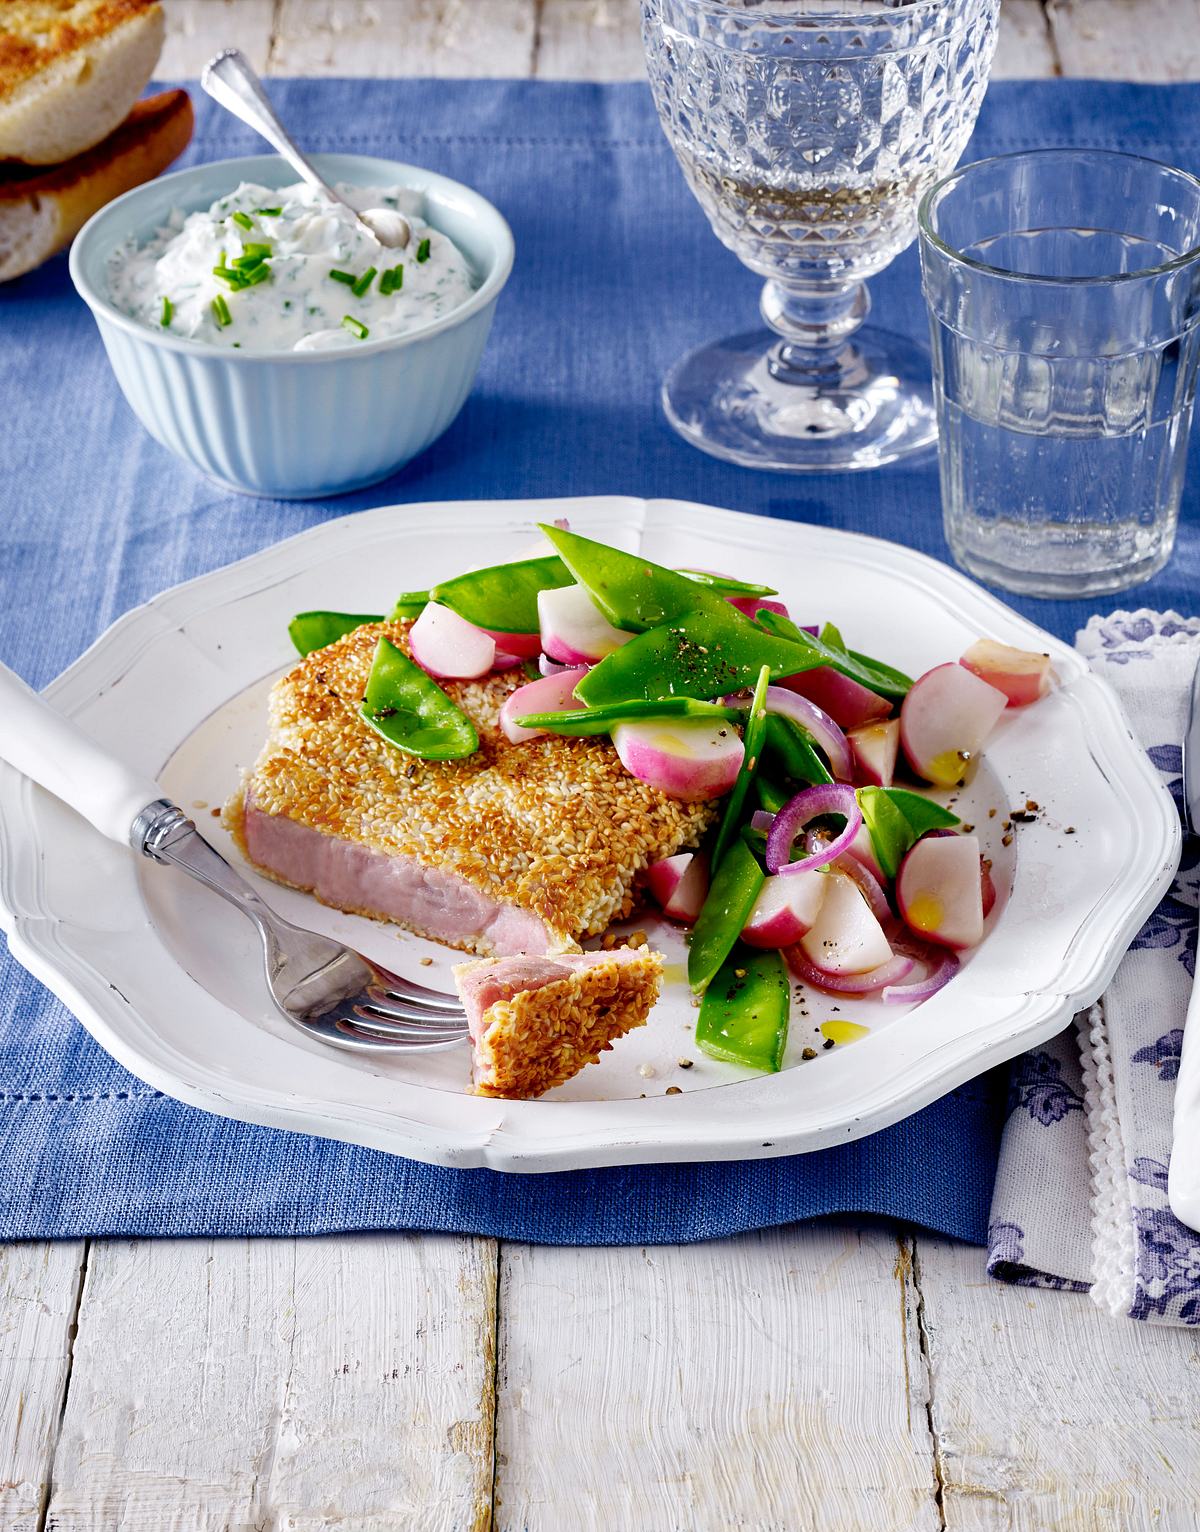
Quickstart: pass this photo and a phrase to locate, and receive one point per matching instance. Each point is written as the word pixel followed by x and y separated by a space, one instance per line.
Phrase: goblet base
pixel 873 403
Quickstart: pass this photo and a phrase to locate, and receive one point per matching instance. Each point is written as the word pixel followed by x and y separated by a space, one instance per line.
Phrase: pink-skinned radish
pixel 506 661
pixel 679 885
pixel 448 646
pixel 688 758
pixel 847 703
pixel 550 694
pixel 1021 674
pixel 845 937
pixel 785 909
pixel 574 630
pixel 939 890
pixel 944 720
pixel 748 605
pixel 874 747
pixel 524 646
pixel 862 850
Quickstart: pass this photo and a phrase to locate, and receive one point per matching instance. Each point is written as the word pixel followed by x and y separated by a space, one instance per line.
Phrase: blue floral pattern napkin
pixel 1081 1190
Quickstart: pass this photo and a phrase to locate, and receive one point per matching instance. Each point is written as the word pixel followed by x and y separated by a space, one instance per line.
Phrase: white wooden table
pixel 828 1377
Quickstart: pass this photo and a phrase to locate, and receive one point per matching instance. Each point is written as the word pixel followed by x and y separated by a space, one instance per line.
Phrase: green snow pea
pixel 873 674
pixel 896 819
pixel 731 895
pixel 725 585
pixel 631 591
pixel 314 630
pixel 600 720
pixel 412 712
pixel 789 748
pixel 744 1014
pixel 503 597
pixel 411 604
pixel 703 654
pixel 770 795
pixel 753 737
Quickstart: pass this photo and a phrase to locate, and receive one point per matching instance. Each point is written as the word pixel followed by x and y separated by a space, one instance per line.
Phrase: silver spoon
pixel 231 82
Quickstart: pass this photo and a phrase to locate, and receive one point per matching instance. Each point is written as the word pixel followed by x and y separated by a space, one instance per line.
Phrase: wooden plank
pixel 39 1296
pixel 257 1384
pixel 1127 39
pixel 1048 1413
pixel 590 40
pixel 771 1382
pixel 404 37
pixel 1025 48
pixel 196 29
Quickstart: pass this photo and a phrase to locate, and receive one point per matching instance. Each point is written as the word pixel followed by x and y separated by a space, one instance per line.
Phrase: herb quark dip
pixel 282 269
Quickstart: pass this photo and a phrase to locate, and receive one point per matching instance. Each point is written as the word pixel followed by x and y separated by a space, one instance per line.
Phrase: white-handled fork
pixel 327 990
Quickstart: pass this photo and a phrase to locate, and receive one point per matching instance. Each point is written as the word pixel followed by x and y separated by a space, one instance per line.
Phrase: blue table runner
pixel 617 273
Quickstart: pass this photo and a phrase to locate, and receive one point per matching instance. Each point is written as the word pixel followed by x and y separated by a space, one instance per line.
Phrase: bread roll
pixel 69 72
pixel 42 210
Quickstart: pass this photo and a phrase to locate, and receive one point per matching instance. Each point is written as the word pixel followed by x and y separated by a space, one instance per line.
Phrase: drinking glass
pixel 1064 295
pixel 807 131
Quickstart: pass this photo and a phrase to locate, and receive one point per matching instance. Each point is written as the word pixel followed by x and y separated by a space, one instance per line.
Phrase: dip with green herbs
pixel 283 269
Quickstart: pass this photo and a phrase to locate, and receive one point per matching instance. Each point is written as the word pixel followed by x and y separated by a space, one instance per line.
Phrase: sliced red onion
pixel 869 885
pixel 941 965
pixel 507 661
pixel 761 819
pixel 549 667
pixel 827 798
pixel 887 974
pixel 816 723
pixel 748 605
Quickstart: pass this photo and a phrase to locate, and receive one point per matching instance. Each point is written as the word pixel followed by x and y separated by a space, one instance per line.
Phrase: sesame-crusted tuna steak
pixel 536 1021
pixel 518 848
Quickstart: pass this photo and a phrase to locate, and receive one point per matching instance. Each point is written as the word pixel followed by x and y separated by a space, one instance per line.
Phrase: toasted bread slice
pixel 69 72
pixel 43 210
pixel 535 1022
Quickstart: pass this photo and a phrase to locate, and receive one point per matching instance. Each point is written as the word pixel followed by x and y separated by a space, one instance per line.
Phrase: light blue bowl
pixel 296 425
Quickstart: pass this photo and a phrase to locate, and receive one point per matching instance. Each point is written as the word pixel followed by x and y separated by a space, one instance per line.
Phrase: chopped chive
pixel 355 326
pixel 233 279
pixel 347 277
pixel 243 220
pixel 423 250
pixel 248 262
pixel 392 281
pixel 221 311
pixel 360 287
pixel 254 249
pixel 259 274
pixel 268 212
pixel 168 309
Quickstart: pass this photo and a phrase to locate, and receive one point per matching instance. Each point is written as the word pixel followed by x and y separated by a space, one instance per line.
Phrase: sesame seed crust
pixel 554 826
pixel 540 1038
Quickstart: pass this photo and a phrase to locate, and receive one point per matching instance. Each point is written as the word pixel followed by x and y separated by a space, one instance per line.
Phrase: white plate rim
pixel 500 1136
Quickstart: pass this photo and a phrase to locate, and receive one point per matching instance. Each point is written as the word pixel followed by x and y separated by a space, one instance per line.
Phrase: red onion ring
pixel 827 798
pixel 897 967
pixel 941 965
pixel 816 723
pixel 549 667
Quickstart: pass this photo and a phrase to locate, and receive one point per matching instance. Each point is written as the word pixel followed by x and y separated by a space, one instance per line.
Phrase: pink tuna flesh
pixel 351 876
pixel 501 978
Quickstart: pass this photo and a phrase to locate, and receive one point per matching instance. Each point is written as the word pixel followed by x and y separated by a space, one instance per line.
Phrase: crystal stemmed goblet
pixel 808 131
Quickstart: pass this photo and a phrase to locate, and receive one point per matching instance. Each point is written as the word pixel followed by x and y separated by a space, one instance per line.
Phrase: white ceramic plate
pixel 167 978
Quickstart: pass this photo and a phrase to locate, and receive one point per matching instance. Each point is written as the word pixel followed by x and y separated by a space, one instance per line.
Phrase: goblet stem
pixel 815 324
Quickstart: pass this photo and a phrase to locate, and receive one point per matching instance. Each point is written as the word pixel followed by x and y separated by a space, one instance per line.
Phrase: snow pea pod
pixel 744 1014
pixel 896 819
pixel 731 895
pixel 315 630
pixel 599 720
pixel 412 712
pixel 704 654
pixel 503 597
pixel 633 592
pixel 789 748
pixel 870 673
pixel 753 738
pixel 726 585
pixel 411 604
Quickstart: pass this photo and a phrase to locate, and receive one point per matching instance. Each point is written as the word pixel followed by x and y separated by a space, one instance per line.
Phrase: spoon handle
pixel 229 80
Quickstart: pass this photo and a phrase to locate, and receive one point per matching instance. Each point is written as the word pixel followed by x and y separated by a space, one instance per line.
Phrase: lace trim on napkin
pixel 1114 1237
pixel 1124 636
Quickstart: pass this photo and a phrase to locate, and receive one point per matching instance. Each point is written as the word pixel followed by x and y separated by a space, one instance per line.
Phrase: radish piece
pixel 689 758
pixel 862 850
pixel 945 719
pixel 1020 674
pixel 891 972
pixel 874 748
pixel 574 630
pixel 447 645
pixel 550 694
pixel 507 661
pixel 680 885
pixel 748 605
pixel 939 891
pixel 526 646
pixel 869 885
pixel 846 702
pixel 845 937
pixel 784 910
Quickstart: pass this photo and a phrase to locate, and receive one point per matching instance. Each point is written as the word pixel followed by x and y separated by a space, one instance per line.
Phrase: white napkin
pixel 1081 1190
